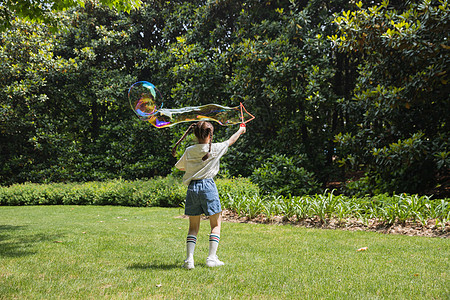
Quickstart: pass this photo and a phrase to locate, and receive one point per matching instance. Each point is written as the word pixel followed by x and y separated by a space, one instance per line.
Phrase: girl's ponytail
pixel 174 149
pixel 202 130
pixel 207 154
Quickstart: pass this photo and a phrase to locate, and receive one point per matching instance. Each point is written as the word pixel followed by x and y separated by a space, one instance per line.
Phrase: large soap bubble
pixel 146 101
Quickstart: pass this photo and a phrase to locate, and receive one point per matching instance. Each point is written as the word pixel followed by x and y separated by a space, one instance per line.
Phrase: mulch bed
pixel 351 224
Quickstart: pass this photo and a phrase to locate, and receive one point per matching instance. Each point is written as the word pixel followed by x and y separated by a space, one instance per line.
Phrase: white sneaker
pixel 213 261
pixel 188 264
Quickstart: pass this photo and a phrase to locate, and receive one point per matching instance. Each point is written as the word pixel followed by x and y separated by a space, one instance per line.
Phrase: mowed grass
pixel 91 252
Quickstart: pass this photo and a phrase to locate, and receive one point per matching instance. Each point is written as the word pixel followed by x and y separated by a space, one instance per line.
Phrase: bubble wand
pixel 144 99
pixel 243 122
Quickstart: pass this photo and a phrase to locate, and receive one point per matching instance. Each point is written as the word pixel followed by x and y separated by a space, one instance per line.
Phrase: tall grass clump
pixel 387 209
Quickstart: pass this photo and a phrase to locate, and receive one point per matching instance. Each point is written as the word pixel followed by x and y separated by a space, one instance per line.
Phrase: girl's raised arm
pixel 236 135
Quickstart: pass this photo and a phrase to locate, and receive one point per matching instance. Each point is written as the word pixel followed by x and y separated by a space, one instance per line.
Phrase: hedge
pixel 161 191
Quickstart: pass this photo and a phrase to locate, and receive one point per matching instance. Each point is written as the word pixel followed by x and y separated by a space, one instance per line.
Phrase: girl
pixel 201 163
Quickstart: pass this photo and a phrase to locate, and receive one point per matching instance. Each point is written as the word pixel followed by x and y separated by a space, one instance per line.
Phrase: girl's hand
pixel 242 129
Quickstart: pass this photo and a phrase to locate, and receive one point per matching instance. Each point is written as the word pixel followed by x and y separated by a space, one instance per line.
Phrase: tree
pixel 65 115
pixel 326 81
pixel 29 129
pixel 400 105
pixel 273 56
pixel 43 10
pixel 106 47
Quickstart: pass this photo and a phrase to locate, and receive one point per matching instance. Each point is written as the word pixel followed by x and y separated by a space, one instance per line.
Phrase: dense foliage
pixel 282 175
pixel 337 87
pixel 44 10
pixel 239 195
pixel 324 207
pixel 161 192
pixel 398 116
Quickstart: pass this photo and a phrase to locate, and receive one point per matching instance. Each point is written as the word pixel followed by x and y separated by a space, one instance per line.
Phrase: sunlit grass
pixel 87 252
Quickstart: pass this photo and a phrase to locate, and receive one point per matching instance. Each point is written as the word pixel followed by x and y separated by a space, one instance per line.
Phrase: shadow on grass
pixel 14 243
pixel 153 266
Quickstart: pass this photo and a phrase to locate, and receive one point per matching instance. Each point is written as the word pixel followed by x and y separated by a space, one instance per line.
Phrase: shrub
pixel 160 191
pixel 283 175
pixel 238 187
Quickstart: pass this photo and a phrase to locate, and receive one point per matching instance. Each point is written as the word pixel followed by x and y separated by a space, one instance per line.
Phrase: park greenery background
pixel 351 95
pixel 354 92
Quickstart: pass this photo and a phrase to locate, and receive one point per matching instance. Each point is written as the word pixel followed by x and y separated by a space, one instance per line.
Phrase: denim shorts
pixel 202 198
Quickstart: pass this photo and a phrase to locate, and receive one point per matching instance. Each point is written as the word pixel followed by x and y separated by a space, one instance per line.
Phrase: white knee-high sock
pixel 191 240
pixel 213 244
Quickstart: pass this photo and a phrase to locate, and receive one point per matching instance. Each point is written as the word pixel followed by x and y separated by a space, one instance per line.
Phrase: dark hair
pixel 202 130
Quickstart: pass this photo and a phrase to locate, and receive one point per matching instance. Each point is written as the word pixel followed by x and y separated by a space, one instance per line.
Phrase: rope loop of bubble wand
pixel 243 124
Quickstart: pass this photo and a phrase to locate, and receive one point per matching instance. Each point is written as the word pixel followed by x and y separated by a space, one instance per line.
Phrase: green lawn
pixel 90 252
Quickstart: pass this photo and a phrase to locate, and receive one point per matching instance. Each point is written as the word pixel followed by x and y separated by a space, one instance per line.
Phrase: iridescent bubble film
pixel 145 99
pixel 146 102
